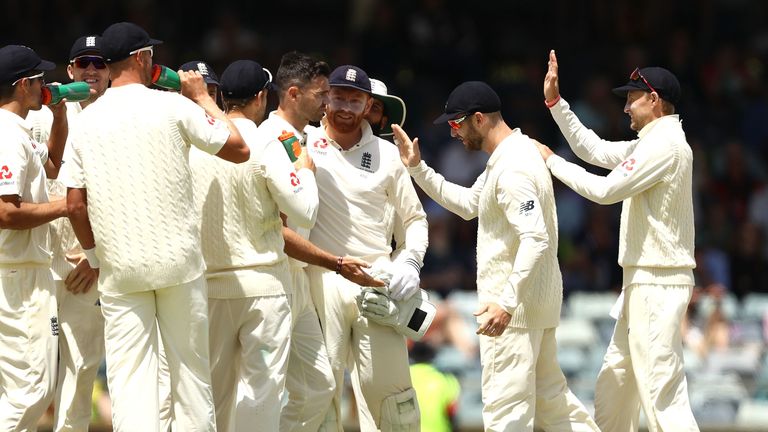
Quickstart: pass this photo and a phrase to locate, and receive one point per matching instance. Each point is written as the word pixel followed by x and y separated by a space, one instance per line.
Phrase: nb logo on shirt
pixel 526 206
pixel 5 173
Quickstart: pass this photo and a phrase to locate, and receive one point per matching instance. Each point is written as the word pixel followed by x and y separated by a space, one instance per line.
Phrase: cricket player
pixel 249 286
pixel 518 278
pixel 652 177
pixel 29 326
pixel 81 324
pixel 359 176
pixel 130 203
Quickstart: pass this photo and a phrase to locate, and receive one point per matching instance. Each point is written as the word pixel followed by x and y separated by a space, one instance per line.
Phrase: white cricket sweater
pixel 355 187
pixel 240 207
pixel 22 174
pixel 517 236
pixel 652 175
pixel 130 149
pixel 63 239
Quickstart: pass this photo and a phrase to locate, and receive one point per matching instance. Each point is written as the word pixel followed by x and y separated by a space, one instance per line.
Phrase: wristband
pixel 339 263
pixel 90 255
pixel 553 103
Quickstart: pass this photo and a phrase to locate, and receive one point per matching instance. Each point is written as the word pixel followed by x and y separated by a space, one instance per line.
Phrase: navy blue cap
pixel 244 79
pixel 468 98
pixel 121 39
pixel 350 76
pixel 85 45
pixel 16 61
pixel 204 68
pixel 663 81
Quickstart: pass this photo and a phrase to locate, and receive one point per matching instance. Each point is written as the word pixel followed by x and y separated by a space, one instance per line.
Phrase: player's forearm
pixel 56 142
pixel 77 206
pixel 23 216
pixel 297 247
pixel 457 199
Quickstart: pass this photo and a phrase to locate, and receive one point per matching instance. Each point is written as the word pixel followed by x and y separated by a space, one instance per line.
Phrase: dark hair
pixel 297 69
pixel 6 91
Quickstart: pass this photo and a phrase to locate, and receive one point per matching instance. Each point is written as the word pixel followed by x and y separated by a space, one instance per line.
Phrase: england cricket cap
pixel 16 61
pixel 121 39
pixel 394 107
pixel 209 76
pixel 350 76
pixel 468 98
pixel 663 81
pixel 85 45
pixel 244 79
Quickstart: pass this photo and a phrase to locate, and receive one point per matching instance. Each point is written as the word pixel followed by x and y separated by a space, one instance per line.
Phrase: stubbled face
pixel 376 116
pixel 639 106
pixel 347 108
pixel 91 69
pixel 313 99
pixel 469 135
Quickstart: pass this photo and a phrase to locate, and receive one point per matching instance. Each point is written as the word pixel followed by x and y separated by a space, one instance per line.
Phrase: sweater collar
pixel 647 128
pixel 504 146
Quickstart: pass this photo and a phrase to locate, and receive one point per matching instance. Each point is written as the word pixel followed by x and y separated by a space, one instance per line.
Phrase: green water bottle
pixel 74 92
pixel 163 76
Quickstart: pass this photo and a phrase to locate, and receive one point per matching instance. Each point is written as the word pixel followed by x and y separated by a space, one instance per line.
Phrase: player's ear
pixel 70 72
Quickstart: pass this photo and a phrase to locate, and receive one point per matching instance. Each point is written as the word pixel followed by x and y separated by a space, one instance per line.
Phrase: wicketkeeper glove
pixel 411 317
pixel 405 278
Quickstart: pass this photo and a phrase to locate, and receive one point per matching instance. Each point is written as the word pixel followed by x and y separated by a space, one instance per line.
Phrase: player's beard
pixel 344 125
pixel 473 139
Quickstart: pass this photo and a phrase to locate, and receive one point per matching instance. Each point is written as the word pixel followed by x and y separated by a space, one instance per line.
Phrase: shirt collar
pixel 504 146
pixel 647 128
pixel 17 120
pixel 284 125
pixel 364 139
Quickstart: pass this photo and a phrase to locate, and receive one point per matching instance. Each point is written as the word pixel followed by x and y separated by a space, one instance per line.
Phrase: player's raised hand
pixel 551 83
pixel 409 150
pixel 193 86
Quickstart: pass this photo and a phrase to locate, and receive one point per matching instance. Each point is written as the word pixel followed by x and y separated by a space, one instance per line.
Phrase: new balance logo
pixel 365 162
pixel 526 206
pixel 351 75
pixel 90 41
pixel 54 326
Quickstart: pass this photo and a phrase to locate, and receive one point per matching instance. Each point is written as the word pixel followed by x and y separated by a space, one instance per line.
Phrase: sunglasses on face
pixel 33 77
pixel 84 61
pixel 636 75
pixel 456 123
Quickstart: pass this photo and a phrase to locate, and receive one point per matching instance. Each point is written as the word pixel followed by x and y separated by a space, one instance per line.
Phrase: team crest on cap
pixel 90 41
pixel 351 75
pixel 202 68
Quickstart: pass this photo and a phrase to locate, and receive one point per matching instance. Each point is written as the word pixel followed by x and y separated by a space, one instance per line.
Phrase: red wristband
pixel 553 103
pixel 339 263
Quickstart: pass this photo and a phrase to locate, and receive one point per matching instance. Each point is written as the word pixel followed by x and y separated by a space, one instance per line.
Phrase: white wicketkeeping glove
pixel 405 278
pixel 411 317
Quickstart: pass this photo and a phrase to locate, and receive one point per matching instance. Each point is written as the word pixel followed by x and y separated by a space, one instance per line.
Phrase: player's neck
pixel 495 136
pixel 16 108
pixel 292 118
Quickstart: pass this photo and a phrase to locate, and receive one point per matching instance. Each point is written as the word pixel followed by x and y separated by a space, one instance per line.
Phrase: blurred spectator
pixel 437 392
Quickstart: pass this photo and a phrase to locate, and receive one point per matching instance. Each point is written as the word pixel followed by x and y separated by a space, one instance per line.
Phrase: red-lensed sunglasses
pixel 456 123
pixel 84 61
pixel 636 75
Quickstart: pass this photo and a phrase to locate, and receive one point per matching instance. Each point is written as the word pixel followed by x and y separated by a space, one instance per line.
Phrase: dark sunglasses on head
pixel 84 61
pixel 636 75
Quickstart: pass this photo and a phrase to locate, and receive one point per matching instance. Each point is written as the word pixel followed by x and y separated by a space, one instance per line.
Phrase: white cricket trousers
pixel 250 338
pixel 523 385
pixel 81 351
pixel 644 364
pixel 310 383
pixel 28 345
pixel 377 356
pixel 179 314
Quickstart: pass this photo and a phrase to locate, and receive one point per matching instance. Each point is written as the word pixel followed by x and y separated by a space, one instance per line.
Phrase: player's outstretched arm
pixel 299 248
pixel 18 215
